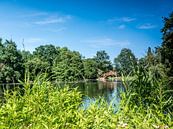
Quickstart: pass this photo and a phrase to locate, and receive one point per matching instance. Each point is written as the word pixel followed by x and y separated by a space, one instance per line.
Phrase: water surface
pixel 92 90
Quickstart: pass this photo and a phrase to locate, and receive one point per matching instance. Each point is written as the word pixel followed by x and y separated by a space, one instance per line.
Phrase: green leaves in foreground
pixel 43 105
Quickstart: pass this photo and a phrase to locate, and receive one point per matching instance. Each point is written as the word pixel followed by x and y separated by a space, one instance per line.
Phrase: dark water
pixel 110 91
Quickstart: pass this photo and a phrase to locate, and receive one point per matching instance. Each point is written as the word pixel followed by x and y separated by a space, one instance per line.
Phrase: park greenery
pixel 61 64
pixel 48 106
pixel 146 103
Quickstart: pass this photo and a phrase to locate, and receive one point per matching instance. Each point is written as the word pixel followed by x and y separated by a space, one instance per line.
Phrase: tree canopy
pixel 69 66
pixel 125 61
pixel 90 68
pixel 62 64
pixel 103 62
pixel 166 48
pixel 11 63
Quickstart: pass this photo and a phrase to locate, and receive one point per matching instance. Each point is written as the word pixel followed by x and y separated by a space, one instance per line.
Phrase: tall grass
pixel 150 88
pixel 42 105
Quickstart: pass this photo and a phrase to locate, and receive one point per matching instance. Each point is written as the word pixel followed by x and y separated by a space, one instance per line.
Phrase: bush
pixel 47 106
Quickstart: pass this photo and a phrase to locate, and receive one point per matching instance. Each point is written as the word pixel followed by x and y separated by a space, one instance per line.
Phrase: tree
pixel 166 48
pixel 46 53
pixel 142 62
pixel 36 66
pixel 103 62
pixel 90 68
pixel 68 66
pixel 149 60
pixel 11 68
pixel 125 61
pixel 26 55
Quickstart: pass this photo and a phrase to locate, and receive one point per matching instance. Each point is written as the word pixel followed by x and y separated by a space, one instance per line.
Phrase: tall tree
pixel 90 68
pixel 10 62
pixel 46 53
pixel 150 58
pixel 103 62
pixel 36 66
pixel 42 59
pixel 125 61
pixel 68 66
pixel 167 44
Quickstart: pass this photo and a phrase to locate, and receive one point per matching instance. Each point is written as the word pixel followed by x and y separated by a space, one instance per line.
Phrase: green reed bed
pixel 45 106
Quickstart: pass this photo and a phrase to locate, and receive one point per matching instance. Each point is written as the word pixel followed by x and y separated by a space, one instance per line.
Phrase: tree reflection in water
pixel 110 91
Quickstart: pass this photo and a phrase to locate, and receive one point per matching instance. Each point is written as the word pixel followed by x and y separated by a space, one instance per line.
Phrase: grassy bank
pixel 46 106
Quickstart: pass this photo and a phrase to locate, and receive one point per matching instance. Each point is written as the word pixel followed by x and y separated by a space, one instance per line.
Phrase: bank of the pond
pixel 91 89
pixel 47 106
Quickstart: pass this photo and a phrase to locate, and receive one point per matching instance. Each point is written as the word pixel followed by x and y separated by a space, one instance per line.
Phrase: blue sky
pixel 86 26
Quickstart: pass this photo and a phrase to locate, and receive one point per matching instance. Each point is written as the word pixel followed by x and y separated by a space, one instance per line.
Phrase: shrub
pixel 42 105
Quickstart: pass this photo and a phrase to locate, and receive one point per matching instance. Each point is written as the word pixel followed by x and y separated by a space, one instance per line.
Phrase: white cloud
pixel 147 26
pixel 106 42
pixel 122 19
pixel 122 26
pixel 53 20
pixel 50 21
pixel 128 19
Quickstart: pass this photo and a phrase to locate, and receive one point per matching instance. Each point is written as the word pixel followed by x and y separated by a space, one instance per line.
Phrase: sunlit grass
pixel 42 105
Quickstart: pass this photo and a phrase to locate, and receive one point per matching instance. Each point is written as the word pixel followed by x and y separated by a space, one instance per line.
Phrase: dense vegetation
pixel 47 106
pixel 147 102
pixel 63 64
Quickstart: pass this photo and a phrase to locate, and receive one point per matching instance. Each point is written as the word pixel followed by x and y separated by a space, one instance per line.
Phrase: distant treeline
pixel 62 64
pixel 147 102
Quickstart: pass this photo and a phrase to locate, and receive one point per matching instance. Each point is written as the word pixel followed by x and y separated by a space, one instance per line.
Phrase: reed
pixel 42 105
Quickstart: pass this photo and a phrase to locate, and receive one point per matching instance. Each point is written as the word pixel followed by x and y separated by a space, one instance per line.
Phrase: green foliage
pixel 36 66
pixel 42 106
pixel 150 88
pixel 147 102
pixel 11 63
pixel 47 106
pixel 125 61
pixel 151 59
pixel 166 48
pixel 26 55
pixel 46 53
pixel 103 62
pixel 90 68
pixel 136 116
pixel 69 66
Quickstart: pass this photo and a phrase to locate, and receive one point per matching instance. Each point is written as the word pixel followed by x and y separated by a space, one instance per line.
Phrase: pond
pixel 92 90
